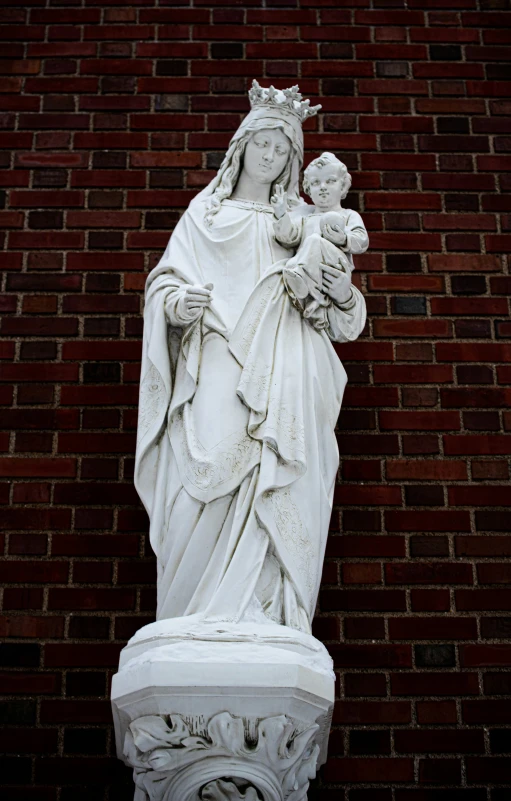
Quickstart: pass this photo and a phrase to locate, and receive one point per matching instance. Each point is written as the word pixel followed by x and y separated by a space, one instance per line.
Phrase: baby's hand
pixel 279 201
pixel 334 232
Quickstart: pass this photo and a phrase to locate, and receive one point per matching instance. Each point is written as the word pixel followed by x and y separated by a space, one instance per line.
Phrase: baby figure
pixel 325 234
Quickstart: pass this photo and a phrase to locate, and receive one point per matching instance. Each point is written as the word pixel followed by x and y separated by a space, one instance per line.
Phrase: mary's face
pixel 266 155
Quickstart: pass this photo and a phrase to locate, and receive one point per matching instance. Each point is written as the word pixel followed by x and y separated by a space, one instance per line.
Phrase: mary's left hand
pixel 336 284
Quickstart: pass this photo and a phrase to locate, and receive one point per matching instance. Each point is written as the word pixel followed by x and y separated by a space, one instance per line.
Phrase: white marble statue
pixel 228 696
pixel 241 387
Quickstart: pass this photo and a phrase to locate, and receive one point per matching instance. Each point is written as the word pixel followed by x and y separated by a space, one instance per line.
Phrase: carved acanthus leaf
pixel 221 790
pixel 159 747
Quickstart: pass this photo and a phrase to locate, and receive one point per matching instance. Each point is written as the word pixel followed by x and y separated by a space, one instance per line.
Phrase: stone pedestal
pixel 210 711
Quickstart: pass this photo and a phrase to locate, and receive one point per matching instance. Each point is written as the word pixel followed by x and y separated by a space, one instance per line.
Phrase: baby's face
pixel 326 186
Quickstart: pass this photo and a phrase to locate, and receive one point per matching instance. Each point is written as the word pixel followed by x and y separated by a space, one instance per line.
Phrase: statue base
pixel 215 711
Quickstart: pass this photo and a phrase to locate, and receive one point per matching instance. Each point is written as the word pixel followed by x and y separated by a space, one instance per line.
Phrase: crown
pixel 287 101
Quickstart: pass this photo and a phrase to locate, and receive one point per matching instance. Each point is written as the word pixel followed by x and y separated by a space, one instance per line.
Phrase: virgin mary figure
pixel 236 457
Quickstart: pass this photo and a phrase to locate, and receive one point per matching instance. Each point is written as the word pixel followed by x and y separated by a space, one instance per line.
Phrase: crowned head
pixel 283 101
pixel 272 111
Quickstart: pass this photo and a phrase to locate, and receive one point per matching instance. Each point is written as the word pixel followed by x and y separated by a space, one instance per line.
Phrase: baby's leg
pixel 296 281
pixel 302 273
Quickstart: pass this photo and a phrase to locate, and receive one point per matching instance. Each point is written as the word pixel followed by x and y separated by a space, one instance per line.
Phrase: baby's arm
pixel 357 240
pixel 332 228
pixel 288 231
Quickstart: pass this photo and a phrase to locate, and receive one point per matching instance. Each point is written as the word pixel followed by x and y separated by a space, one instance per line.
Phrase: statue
pixel 236 454
pixel 235 464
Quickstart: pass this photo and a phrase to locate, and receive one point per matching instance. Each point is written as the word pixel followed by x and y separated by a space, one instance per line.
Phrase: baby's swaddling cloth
pixel 303 277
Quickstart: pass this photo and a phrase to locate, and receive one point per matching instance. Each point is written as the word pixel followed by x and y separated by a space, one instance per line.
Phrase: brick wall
pixel 112 116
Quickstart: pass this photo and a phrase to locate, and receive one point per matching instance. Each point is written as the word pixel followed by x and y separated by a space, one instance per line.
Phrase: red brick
pixel 17 683
pixel 412 328
pixel 484 444
pixel 486 711
pixel 473 352
pixel 494 573
pixel 428 573
pixel 412 374
pixel 436 712
pixel 17 466
pixel 405 283
pixel 366 712
pixel 420 421
pixel 420 470
pixel 31 740
pixel 353 495
pixel 24 572
pixel 427 521
pixel 431 741
pixel 361 573
pixel 483 599
pixel 430 600
pixel 380 770
pixel 469 306
pixel 367 469
pixel 373 600
pixel 433 628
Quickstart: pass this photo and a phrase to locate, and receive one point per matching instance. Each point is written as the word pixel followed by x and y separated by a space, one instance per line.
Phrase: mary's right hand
pixel 196 298
pixel 186 304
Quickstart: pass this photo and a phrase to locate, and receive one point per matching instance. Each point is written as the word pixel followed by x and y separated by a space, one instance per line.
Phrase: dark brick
pixel 19 654
pixel 445 52
pixel 171 103
pixel 101 373
pixel 105 240
pixel 474 374
pixel 166 178
pixel 459 125
pixel 429 546
pixel 227 50
pixel 404 263
pixel 84 741
pixel 174 67
pixel 409 306
pixel 85 683
pixel 45 219
pixel 99 199
pixel 496 628
pixel 22 713
pixel 369 741
pixel 425 495
pixel 333 86
pixel 32 351
pixel 393 69
pixel 89 628
pixel 435 656
pixel 101 327
pixel 500 741
pixel 161 219
pixel 109 161
pixel 50 178
pixel 468 284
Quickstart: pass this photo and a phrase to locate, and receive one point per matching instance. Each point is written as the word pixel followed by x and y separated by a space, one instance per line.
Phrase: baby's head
pixel 327 181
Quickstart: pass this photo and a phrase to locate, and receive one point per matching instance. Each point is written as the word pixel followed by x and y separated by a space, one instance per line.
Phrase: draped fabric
pixel 236 456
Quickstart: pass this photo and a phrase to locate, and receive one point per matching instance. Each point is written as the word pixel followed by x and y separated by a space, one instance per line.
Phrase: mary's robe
pixel 236 456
